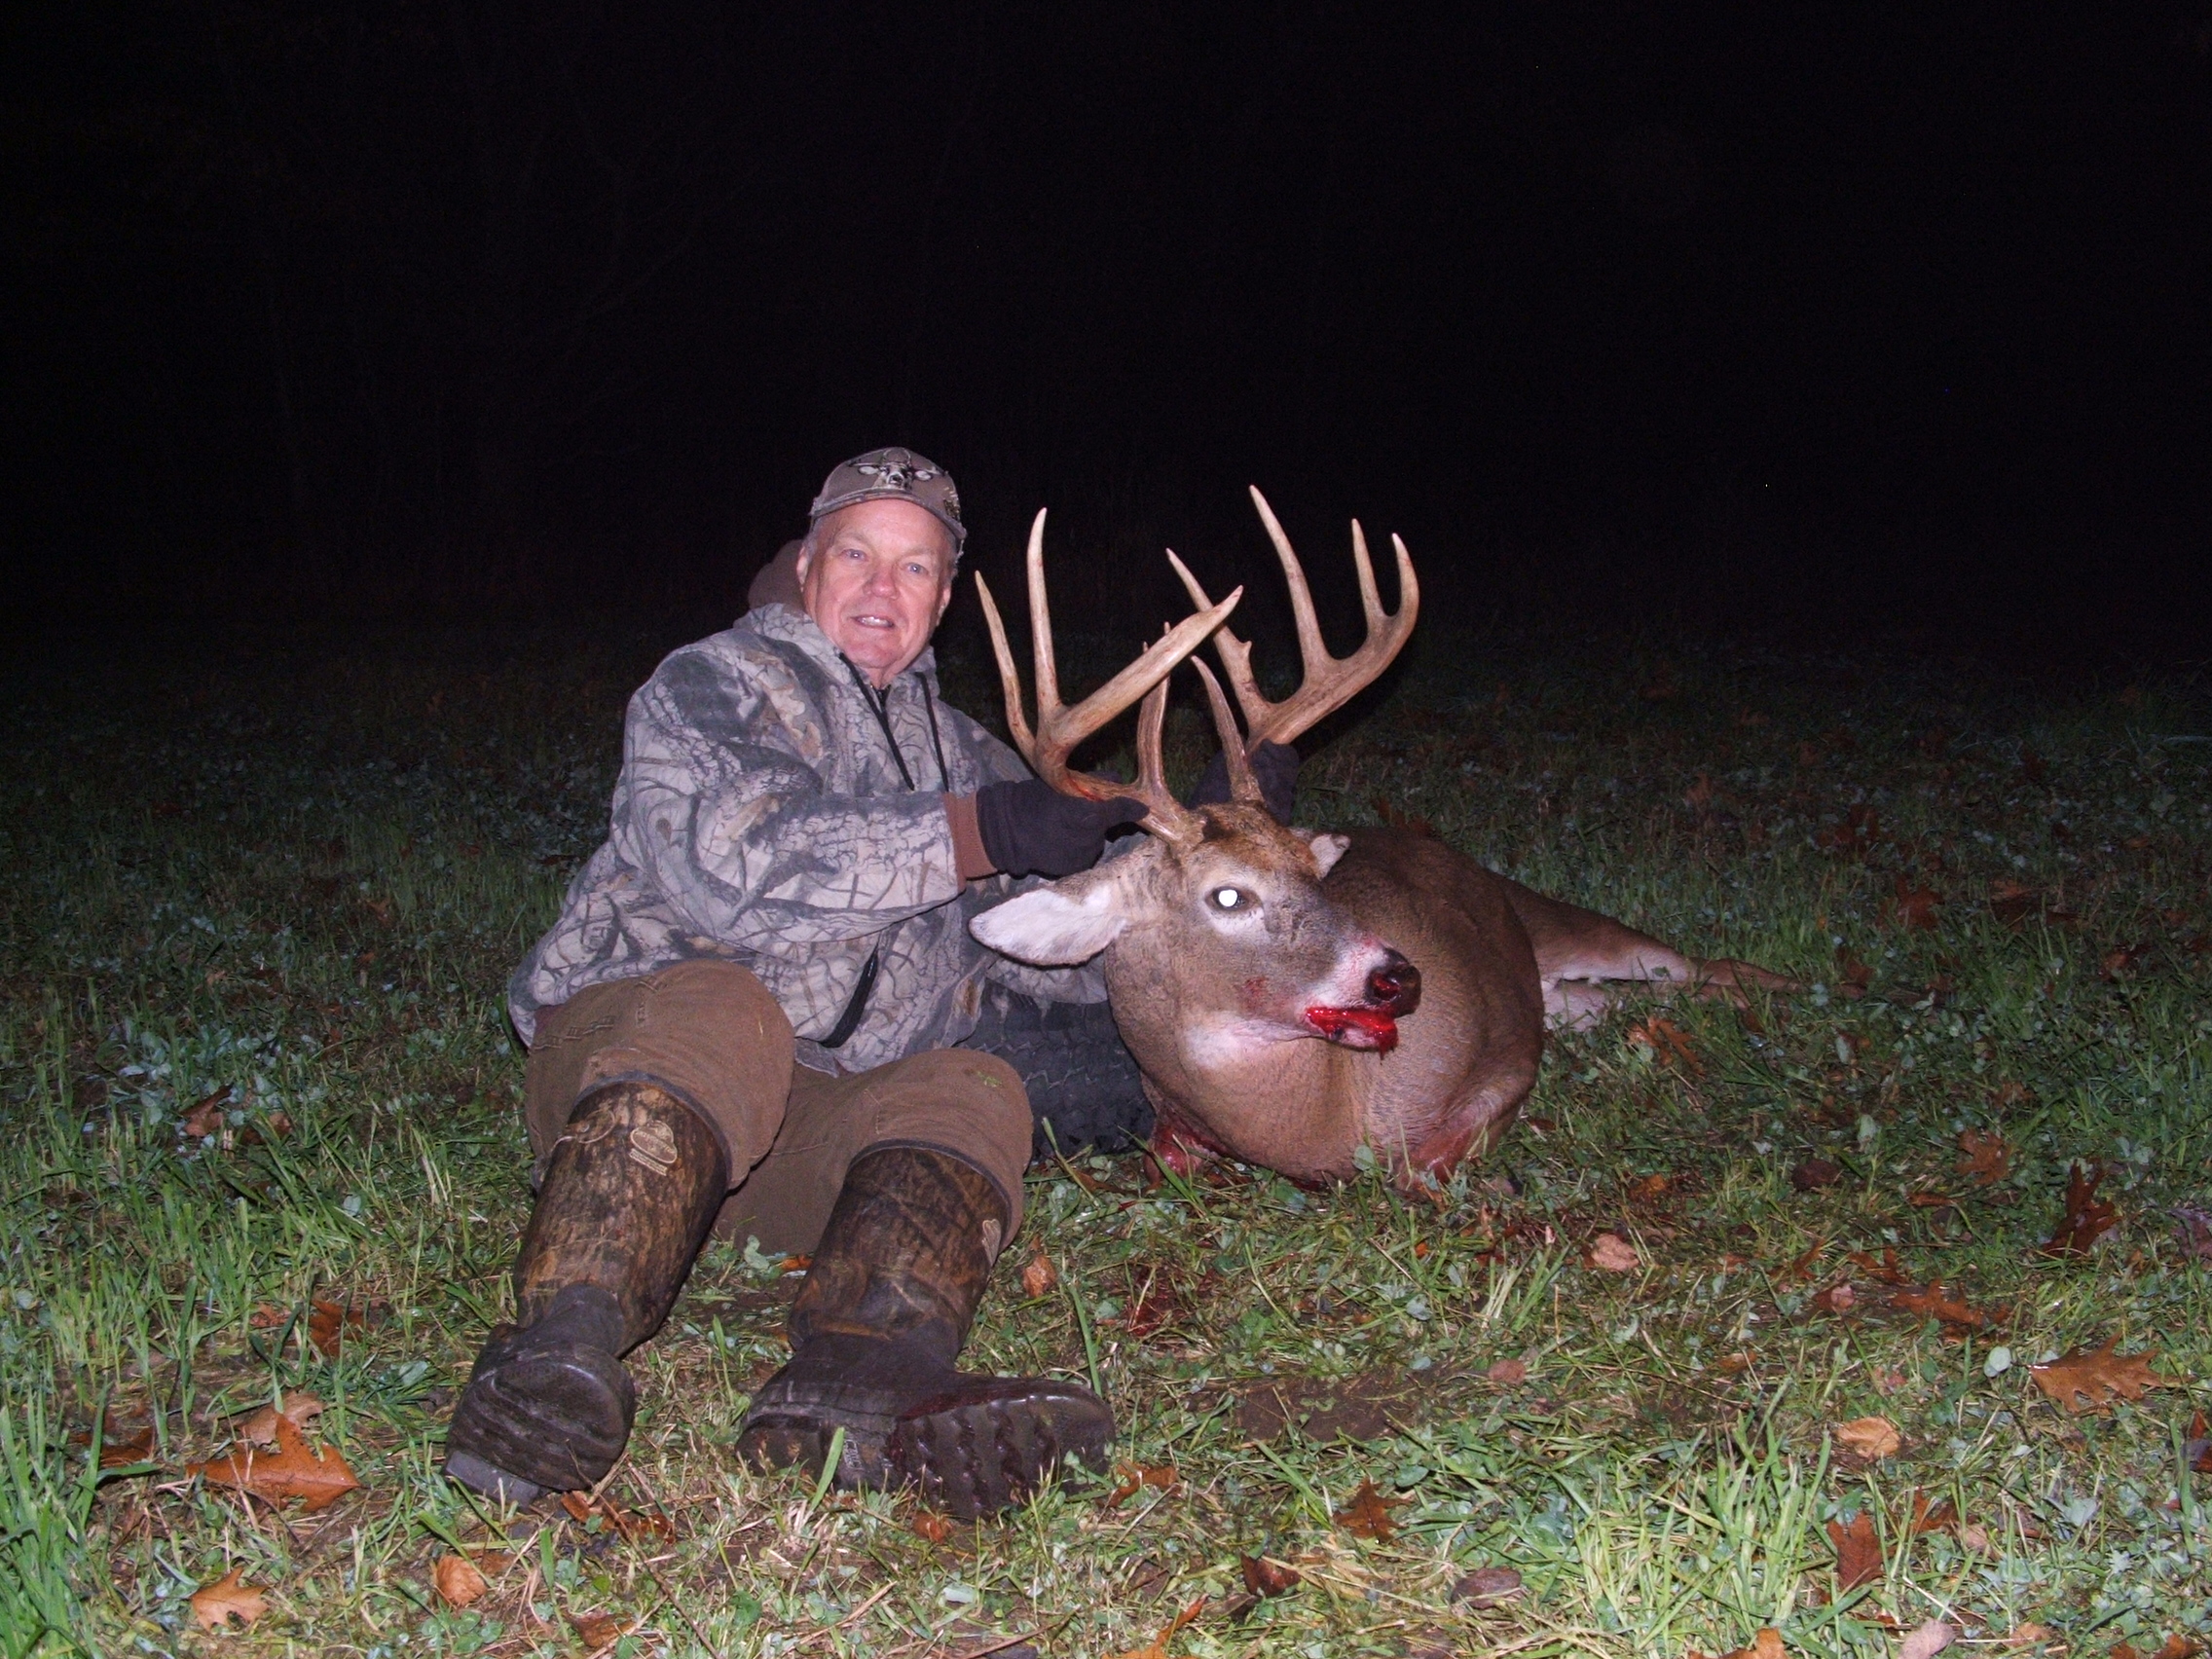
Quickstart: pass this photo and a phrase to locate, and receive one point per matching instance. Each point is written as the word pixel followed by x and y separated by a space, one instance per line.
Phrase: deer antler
pixel 1330 681
pixel 1060 728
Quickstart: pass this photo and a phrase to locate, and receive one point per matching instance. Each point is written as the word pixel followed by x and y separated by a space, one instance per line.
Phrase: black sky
pixel 1898 316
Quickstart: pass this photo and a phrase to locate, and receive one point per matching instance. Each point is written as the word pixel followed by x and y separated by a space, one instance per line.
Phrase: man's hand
pixel 1274 764
pixel 1028 828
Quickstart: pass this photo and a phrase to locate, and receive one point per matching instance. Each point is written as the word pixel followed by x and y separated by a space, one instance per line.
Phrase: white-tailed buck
pixel 1291 995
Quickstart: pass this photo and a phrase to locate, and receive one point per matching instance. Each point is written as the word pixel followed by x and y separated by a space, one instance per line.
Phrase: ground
pixel 1603 1395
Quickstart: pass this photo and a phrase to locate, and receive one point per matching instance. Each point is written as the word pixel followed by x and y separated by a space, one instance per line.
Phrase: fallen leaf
pixel 1667 1043
pixel 2030 1634
pixel 1039 1276
pixel 2088 1219
pixel 1767 1645
pixel 2079 1382
pixel 1698 796
pixel 1155 1305
pixel 1857 1551
pixel 2193 1224
pixel 1882 1270
pixel 1487 1587
pixel 1610 1253
pixel 1814 1173
pixel 1839 1298
pixel 2178 1646
pixel 457 1580
pixel 229 1598
pixel 299 1408
pixel 1135 1477
pixel 1872 1438
pixel 1930 1639
pixel 1368 1514
pixel 327 1325
pixel 121 1454
pixel 1941 1516
pixel 1917 906
pixel 1973 1539
pixel 1157 1648
pixel 1264 1575
pixel 1508 1372
pixel 606 1514
pixel 2197 1450
pixel 1985 1157
pixel 930 1525
pixel 1650 1188
pixel 599 1631
pixel 205 1117
pixel 319 1479
pixel 1852 974
pixel 1935 1303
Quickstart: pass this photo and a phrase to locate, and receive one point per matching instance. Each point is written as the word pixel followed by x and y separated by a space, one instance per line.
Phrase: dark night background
pixel 1869 322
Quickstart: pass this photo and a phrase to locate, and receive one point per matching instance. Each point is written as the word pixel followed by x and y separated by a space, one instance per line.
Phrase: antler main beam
pixel 1330 681
pixel 1060 728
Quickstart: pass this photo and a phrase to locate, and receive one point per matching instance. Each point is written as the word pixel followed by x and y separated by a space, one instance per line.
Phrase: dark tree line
pixel 569 304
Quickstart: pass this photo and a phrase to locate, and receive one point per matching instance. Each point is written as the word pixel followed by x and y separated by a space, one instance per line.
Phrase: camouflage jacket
pixel 762 817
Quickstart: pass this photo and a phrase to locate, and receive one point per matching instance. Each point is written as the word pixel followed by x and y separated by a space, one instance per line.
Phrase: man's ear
pixel 1057 926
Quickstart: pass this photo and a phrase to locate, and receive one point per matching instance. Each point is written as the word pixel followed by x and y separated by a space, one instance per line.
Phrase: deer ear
pixel 1050 928
pixel 1326 848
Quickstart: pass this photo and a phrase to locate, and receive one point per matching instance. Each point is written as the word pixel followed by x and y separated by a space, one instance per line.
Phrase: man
pixel 748 1008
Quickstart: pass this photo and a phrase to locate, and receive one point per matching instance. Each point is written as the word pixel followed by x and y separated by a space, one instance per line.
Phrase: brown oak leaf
pixel 1872 1438
pixel 2079 1382
pixel 1135 1477
pixel 327 1325
pixel 299 1408
pixel 1917 906
pixel 1610 1253
pixel 599 1632
pixel 2088 1219
pixel 1487 1587
pixel 1667 1044
pixel 1936 1303
pixel 1985 1157
pixel 1039 1276
pixel 613 1517
pixel 319 1479
pixel 1368 1514
pixel 457 1580
pixel 1941 1516
pixel 1264 1575
pixel 1857 1551
pixel 229 1598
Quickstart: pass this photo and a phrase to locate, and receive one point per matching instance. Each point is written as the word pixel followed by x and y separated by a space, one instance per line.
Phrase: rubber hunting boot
pixel 885 1308
pixel 632 1187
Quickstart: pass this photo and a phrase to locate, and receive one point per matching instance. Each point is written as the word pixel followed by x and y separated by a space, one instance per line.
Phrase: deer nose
pixel 1395 985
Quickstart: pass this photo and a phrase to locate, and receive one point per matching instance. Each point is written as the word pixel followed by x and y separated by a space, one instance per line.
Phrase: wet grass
pixel 283 903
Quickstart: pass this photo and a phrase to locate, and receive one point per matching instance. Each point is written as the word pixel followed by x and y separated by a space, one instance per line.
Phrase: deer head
pixel 1222 944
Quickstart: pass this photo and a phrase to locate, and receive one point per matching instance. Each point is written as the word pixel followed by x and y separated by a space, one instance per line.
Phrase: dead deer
pixel 1291 995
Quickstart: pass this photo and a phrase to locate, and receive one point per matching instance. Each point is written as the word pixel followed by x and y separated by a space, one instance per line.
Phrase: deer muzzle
pixel 1393 992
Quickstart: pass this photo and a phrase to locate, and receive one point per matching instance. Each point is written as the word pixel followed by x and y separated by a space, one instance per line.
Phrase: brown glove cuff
pixel 967 839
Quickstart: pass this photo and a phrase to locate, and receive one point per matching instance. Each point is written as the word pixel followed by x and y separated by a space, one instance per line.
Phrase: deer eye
pixel 1231 898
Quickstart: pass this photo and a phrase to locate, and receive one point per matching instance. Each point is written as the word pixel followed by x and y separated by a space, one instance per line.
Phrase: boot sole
pixel 976 1460
pixel 556 1424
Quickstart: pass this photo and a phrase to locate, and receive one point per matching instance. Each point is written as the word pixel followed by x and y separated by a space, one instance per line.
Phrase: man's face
pixel 876 580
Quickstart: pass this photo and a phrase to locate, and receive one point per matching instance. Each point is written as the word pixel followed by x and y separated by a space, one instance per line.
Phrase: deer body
pixel 1291 996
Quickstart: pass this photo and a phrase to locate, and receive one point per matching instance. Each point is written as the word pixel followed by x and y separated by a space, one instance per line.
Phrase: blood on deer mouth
pixel 1374 1028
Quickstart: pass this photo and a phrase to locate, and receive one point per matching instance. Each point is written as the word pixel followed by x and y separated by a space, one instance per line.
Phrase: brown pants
pixel 710 1032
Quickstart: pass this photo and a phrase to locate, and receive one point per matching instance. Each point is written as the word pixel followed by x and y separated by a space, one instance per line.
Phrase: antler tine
pixel 1243 782
pixel 1009 677
pixel 1165 816
pixel 1330 681
pixel 1060 729
pixel 1236 654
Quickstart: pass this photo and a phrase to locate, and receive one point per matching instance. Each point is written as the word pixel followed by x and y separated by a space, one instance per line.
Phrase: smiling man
pixel 747 1010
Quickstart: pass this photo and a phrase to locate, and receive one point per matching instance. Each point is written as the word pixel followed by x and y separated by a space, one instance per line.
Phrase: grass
pixel 289 891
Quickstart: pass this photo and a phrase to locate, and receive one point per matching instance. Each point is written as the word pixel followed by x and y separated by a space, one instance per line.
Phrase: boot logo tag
pixel 653 1145
pixel 991 1241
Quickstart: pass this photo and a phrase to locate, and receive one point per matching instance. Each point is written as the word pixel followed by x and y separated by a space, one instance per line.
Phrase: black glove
pixel 1274 764
pixel 1030 829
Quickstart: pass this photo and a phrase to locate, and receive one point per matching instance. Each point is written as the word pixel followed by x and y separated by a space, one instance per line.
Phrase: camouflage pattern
pixel 759 817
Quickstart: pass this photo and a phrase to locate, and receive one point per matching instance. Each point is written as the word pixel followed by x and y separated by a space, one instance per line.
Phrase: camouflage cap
pixel 893 475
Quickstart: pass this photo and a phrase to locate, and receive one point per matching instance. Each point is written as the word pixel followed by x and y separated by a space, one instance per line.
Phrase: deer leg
pixel 1580 955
